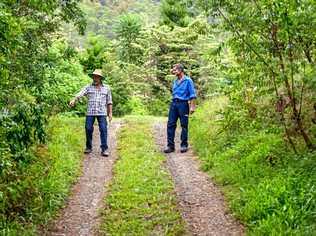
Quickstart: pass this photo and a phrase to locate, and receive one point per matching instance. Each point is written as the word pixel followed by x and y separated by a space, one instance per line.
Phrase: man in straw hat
pixel 99 106
pixel 183 103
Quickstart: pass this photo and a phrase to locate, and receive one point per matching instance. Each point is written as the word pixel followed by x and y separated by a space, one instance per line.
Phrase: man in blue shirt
pixel 183 104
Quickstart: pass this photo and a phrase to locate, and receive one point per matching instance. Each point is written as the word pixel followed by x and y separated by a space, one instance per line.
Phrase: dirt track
pixel 200 201
pixel 80 216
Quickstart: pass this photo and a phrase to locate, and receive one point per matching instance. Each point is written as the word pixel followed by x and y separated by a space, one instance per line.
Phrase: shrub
pixel 32 191
pixel 269 188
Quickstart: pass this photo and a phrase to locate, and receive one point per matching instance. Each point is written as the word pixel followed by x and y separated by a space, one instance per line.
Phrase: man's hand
pixel 192 110
pixel 110 117
pixel 192 106
pixel 72 103
pixel 109 112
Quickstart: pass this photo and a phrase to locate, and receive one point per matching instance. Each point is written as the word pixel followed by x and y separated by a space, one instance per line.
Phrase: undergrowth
pixel 32 192
pixel 269 188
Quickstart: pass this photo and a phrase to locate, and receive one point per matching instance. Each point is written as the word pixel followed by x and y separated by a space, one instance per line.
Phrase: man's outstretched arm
pixel 79 95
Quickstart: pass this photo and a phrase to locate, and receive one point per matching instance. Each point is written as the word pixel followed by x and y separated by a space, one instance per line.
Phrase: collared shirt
pixel 183 89
pixel 98 99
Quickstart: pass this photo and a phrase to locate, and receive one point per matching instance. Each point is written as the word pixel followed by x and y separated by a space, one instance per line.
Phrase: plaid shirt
pixel 98 99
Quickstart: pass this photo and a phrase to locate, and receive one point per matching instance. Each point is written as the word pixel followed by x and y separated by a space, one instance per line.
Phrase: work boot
pixel 168 150
pixel 183 149
pixel 87 151
pixel 105 153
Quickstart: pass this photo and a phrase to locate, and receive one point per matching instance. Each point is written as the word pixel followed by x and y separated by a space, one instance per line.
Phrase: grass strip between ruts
pixel 141 200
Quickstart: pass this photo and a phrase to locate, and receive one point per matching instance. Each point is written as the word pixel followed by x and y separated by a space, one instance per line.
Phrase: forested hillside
pixel 253 65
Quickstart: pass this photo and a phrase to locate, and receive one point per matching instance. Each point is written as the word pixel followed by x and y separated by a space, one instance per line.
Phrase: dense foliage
pixel 35 75
pixel 274 47
pixel 27 69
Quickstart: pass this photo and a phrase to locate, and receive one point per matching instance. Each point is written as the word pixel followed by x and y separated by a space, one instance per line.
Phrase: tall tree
pixel 174 13
pixel 128 33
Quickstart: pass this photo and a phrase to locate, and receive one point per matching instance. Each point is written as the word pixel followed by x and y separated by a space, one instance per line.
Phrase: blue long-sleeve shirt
pixel 183 89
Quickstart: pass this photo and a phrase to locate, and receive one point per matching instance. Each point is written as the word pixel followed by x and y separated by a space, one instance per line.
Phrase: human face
pixel 97 79
pixel 177 71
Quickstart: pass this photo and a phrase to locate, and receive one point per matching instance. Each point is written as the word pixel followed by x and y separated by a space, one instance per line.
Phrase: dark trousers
pixel 178 109
pixel 102 128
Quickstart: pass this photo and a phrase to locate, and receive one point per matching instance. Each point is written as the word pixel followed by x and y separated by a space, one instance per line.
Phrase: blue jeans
pixel 178 109
pixel 102 128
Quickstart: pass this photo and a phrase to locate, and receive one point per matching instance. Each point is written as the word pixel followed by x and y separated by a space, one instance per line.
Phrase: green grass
pixel 35 191
pixel 141 200
pixel 271 190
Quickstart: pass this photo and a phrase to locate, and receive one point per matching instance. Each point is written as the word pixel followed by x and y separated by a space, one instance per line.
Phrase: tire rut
pixel 80 215
pixel 200 201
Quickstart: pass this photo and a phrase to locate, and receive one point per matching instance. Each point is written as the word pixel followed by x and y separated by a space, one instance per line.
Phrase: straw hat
pixel 97 72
